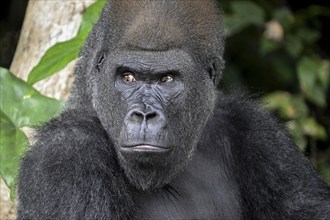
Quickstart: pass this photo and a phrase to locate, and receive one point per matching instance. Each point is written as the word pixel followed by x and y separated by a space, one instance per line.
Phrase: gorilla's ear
pixel 215 69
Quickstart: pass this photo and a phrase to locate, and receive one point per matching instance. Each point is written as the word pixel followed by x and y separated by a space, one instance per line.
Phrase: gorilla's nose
pixel 150 117
pixel 145 126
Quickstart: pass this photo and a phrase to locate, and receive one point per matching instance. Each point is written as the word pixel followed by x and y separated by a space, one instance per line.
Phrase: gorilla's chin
pixel 149 171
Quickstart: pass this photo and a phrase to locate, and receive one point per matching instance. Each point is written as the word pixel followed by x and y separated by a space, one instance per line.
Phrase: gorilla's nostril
pixel 141 116
pixel 137 116
pixel 151 115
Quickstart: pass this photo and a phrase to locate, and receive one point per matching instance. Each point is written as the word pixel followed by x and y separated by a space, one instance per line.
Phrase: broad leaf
pixel 59 55
pixel 288 106
pixel 312 128
pixel 12 145
pixel 324 74
pixel 22 104
pixel 297 133
pixel 55 59
pixel 309 79
pixel 90 17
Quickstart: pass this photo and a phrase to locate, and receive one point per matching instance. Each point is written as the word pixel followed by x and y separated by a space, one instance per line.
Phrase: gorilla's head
pixel 151 78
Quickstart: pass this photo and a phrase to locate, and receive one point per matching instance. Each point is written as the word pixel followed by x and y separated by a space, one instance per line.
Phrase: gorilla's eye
pixel 166 79
pixel 128 77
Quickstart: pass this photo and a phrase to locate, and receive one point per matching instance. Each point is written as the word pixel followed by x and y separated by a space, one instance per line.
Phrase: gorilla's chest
pixel 200 192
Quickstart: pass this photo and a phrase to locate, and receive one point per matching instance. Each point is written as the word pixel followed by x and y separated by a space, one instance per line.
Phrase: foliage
pixel 268 47
pixel 22 106
pixel 58 56
pixel 275 50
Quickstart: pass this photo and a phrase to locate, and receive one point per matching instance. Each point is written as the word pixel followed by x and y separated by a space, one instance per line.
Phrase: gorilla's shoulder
pixel 69 119
pixel 71 125
pixel 244 107
pixel 243 115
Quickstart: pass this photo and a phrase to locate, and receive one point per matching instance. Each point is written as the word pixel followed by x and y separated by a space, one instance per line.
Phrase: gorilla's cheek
pixel 189 118
pixel 154 119
pixel 110 114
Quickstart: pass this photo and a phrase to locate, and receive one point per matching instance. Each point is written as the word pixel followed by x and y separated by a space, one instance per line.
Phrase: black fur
pixel 213 156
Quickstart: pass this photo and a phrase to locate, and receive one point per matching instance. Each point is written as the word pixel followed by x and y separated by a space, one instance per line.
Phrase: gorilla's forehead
pixel 162 25
pixel 162 61
pixel 149 33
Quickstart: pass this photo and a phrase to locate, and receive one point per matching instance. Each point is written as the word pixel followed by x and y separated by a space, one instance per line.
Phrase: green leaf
pixel 324 167
pixel 285 17
pixel 308 75
pixel 324 74
pixel 282 67
pixel 12 145
pixel 90 17
pixel 55 59
pixel 244 13
pixel 288 106
pixel 22 104
pixel 307 72
pixel 59 55
pixel 294 46
pixel 297 133
pixel 268 45
pixel 308 35
pixel 312 128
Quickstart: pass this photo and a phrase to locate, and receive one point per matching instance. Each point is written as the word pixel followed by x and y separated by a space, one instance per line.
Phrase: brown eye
pixel 128 78
pixel 166 79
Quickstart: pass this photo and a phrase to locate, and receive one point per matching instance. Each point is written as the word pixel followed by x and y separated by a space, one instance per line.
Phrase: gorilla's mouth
pixel 144 148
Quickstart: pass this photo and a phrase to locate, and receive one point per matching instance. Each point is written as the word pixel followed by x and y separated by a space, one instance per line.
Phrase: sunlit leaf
pixel 55 59
pixel 22 104
pixel 12 145
pixel 297 133
pixel 288 106
pixel 90 17
pixel 59 55
pixel 312 128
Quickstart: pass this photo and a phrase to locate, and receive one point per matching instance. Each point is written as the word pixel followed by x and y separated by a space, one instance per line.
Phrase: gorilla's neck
pixel 189 191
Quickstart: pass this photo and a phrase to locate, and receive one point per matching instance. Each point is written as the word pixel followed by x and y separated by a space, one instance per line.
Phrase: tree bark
pixel 46 23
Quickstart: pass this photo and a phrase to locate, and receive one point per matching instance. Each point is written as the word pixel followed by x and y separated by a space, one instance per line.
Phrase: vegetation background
pixel 278 50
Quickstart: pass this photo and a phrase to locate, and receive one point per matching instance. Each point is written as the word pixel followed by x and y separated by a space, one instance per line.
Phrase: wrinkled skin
pixel 146 135
pixel 147 113
pixel 150 147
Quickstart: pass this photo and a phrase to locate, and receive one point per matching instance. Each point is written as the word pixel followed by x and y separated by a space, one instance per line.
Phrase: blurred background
pixel 281 53
pixel 277 50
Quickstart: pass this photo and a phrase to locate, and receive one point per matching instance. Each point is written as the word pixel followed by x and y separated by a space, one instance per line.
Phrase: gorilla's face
pixel 154 105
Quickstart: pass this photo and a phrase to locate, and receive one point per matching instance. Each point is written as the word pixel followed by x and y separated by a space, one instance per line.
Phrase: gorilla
pixel 146 135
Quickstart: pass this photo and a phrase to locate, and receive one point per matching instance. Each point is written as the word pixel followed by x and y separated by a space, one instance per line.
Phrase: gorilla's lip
pixel 145 148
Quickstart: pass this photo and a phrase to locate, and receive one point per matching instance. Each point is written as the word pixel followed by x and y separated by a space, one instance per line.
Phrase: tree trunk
pixel 45 24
